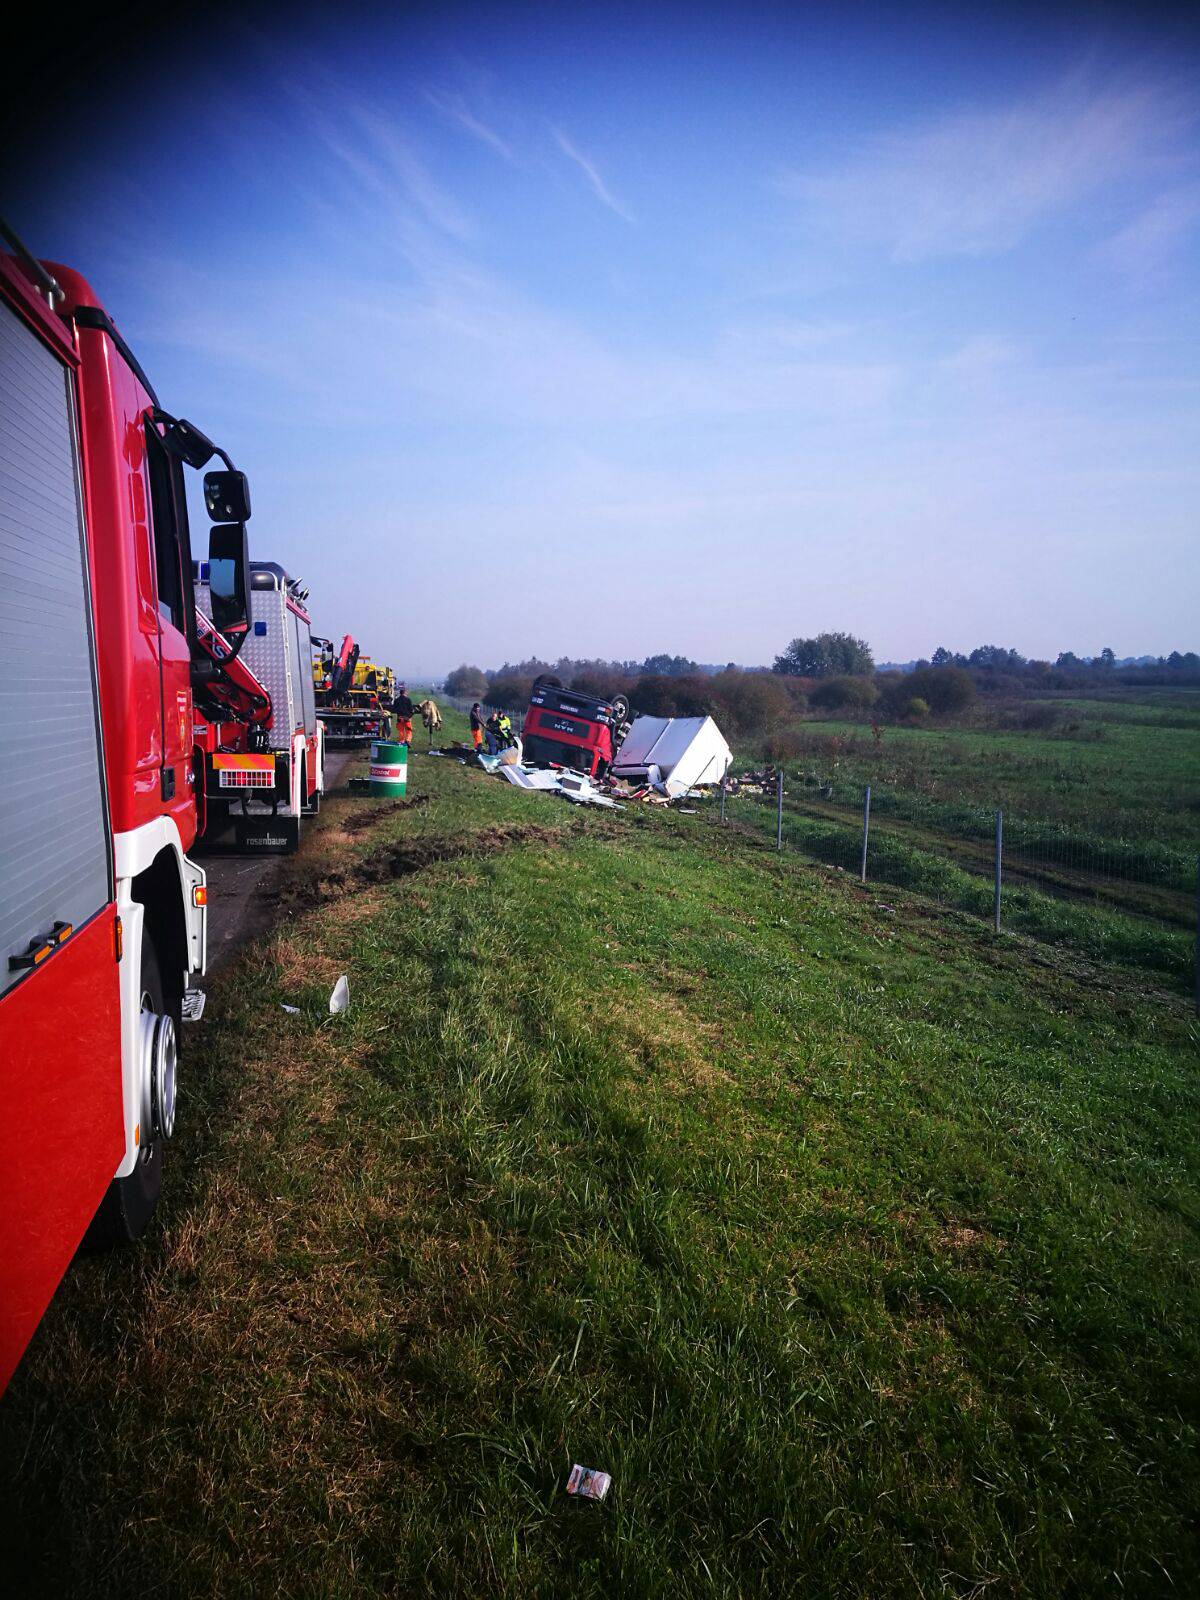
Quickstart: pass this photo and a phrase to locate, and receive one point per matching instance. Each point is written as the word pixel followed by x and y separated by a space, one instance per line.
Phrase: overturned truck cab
pixel 567 728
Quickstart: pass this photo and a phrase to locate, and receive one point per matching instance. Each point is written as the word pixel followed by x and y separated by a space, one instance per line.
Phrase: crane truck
pixel 102 909
pixel 354 694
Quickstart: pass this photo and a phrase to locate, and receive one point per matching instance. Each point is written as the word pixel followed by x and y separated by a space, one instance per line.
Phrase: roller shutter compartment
pixel 54 846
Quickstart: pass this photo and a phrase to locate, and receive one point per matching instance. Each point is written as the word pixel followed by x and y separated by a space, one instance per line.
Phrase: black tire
pixel 547 680
pixel 124 1214
pixel 620 707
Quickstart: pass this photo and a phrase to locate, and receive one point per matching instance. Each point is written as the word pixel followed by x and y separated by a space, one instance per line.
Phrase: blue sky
pixel 609 332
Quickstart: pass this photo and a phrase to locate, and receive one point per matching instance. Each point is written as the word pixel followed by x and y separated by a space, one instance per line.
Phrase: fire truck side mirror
pixel 227 496
pixel 229 578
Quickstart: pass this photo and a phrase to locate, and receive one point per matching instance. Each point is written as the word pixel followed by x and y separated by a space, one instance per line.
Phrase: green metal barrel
pixel 389 768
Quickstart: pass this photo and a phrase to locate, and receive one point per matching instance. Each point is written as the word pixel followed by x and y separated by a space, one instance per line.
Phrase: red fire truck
pixel 232 712
pixel 102 913
pixel 566 728
pixel 270 764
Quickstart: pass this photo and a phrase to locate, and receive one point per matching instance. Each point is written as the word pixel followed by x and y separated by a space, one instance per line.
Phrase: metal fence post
pixel 866 831
pixel 999 865
pixel 779 814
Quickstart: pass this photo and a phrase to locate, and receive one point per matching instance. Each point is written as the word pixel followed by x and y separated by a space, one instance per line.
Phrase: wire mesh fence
pixel 1136 903
pixel 464 703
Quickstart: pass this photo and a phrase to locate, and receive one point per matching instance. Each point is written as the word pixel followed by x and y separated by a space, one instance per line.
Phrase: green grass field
pixel 860 1247
pixel 1101 817
pixel 1114 783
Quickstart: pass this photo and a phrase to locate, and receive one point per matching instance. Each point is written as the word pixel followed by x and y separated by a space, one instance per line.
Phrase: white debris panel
pixel 571 785
pixel 689 752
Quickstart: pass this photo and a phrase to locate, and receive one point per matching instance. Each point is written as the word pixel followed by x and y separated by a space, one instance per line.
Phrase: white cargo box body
pixel 688 751
pixel 278 651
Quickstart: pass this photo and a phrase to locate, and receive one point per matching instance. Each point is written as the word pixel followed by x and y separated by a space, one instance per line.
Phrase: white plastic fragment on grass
pixel 292 1011
pixel 530 777
pixel 580 789
pixel 574 786
pixel 339 1000
pixel 588 1483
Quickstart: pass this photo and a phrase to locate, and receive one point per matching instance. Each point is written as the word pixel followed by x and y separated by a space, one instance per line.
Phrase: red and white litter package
pixel 588 1483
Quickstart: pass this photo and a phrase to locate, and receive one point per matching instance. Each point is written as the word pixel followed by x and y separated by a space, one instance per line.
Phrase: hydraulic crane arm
pixel 230 684
pixel 343 671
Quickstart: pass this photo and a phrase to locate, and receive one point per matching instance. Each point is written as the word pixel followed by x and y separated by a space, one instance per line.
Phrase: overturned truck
pixel 567 728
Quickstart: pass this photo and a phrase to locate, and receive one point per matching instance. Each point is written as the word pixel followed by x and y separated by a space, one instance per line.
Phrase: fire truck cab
pixel 102 911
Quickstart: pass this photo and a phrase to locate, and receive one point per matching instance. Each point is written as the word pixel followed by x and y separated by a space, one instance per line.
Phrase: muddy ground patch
pixel 406 856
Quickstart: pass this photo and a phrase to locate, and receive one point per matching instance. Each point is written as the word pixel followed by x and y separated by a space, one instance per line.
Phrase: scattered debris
pixel 294 1011
pixel 510 756
pixel 531 777
pixel 460 752
pixel 588 1483
pixel 339 1000
pixel 573 786
pixel 764 781
pixel 581 791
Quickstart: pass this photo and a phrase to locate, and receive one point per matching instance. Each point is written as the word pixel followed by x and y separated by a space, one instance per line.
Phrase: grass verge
pixel 860 1249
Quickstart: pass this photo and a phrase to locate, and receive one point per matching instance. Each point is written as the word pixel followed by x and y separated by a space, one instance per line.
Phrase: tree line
pixel 831 673
pixel 831 655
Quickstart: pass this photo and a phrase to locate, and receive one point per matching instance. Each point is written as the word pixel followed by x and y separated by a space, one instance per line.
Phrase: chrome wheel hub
pixel 159 1057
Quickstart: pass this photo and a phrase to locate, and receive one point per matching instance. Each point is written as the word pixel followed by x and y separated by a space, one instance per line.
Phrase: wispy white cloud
pixel 599 188
pixel 384 161
pixel 976 182
pixel 1146 247
pixel 455 109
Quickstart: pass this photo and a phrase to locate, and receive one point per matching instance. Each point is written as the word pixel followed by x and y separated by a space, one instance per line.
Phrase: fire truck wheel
pixel 547 680
pixel 620 707
pixel 130 1202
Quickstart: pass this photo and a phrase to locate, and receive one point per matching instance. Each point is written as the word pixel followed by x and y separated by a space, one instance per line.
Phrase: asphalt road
pixel 236 908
